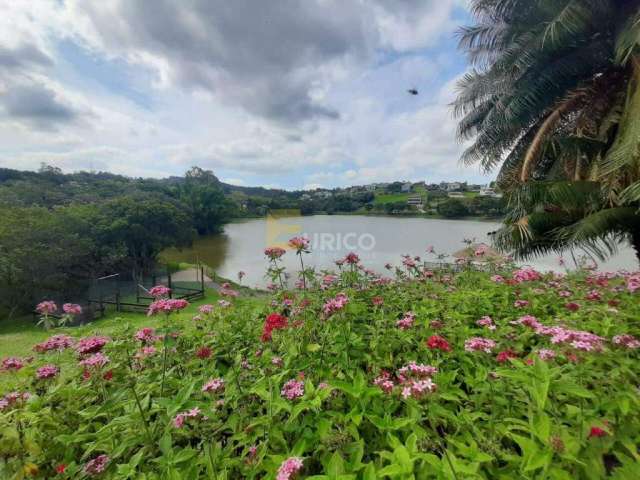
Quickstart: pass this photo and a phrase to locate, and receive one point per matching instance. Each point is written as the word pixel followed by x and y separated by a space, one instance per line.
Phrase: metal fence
pixel 130 292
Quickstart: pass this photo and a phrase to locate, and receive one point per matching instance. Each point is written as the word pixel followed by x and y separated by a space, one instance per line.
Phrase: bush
pixel 429 375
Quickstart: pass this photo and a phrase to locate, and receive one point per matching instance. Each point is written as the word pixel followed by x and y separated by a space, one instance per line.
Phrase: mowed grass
pixel 19 335
pixel 391 198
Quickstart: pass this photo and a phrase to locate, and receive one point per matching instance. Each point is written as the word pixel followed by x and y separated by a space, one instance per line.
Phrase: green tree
pixel 452 208
pixel 554 98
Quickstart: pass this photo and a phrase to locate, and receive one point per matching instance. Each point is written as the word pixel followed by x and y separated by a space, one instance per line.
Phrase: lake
pixel 376 239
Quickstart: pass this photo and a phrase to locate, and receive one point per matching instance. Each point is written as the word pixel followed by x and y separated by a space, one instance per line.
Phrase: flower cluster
pixel 12 399
pixel 57 342
pixel 627 341
pixel 274 321
pixel 167 306
pixel 47 307
pixel 546 354
pixel 351 258
pixel 213 386
pixel 289 468
pixel 436 342
pixel 486 321
pixel 414 380
pixel 12 364
pixel 96 466
pixel 520 303
pixel 526 274
pixel 179 419
pixel 335 304
pixel 227 291
pixel 274 252
pixel 292 389
pixel 97 360
pixel 205 309
pixel 505 355
pixel 159 291
pixel 72 309
pixel 633 282
pixel 479 344
pixel 407 321
pixel 88 345
pixel 47 371
pixel 300 244
pixel 146 335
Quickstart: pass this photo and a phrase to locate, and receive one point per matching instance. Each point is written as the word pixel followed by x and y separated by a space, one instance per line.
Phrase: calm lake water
pixel 377 240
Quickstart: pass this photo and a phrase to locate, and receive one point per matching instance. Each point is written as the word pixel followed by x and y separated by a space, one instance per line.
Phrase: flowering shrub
pixel 425 375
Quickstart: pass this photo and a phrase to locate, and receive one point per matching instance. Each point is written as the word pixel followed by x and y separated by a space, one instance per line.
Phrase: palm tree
pixel 553 97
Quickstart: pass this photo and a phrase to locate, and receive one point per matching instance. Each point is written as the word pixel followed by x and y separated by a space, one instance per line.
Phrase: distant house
pixel 371 187
pixel 453 187
pixel 406 187
pixel 305 196
pixel 489 192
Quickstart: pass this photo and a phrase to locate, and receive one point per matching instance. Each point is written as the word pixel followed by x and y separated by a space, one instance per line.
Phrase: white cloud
pixel 299 96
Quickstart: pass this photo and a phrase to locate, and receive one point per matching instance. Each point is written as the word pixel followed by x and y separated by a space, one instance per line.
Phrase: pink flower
pixel 520 303
pixel 57 342
pixel 416 370
pixel 418 388
pixel 146 351
pixel 277 361
pixel 13 399
pixel 292 389
pixel 206 309
pixel 274 252
pixel 46 307
pixel 159 291
pixel 497 278
pixel 146 335
pixel 289 468
pixel 486 321
pixel 97 360
pixel 89 345
pixel 47 371
pixel 213 386
pixel 546 354
pixel 564 293
pixel 594 295
pixel 12 363
pixel 167 306
pixel 526 274
pixel 300 244
pixel 476 344
pixel 72 309
pixel 224 303
pixel 96 466
pixel 179 419
pixel 633 282
pixel 626 340
pixel 528 321
pixel 203 353
pixel 384 382
pixel 334 305
pixel 351 259
pixel 407 321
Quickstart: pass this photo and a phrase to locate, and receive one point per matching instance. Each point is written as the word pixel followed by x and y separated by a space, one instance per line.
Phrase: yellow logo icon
pixel 281 227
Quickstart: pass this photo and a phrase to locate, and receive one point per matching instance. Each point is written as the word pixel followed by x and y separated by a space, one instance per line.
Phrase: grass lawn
pixel 17 336
pixel 390 198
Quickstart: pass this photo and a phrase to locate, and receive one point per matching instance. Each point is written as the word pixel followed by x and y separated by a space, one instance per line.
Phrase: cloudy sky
pixel 283 93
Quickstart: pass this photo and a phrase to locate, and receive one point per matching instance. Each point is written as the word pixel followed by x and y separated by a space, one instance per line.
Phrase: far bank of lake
pixel 376 239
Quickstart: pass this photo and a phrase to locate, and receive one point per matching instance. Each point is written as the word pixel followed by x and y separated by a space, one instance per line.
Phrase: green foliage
pixel 522 418
pixel 554 96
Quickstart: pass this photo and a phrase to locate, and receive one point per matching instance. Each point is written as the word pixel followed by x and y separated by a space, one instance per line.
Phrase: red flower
pixel 505 355
pixel 436 342
pixel 61 468
pixel 274 321
pixel 203 353
pixel 109 375
pixel 597 432
pixel 572 306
